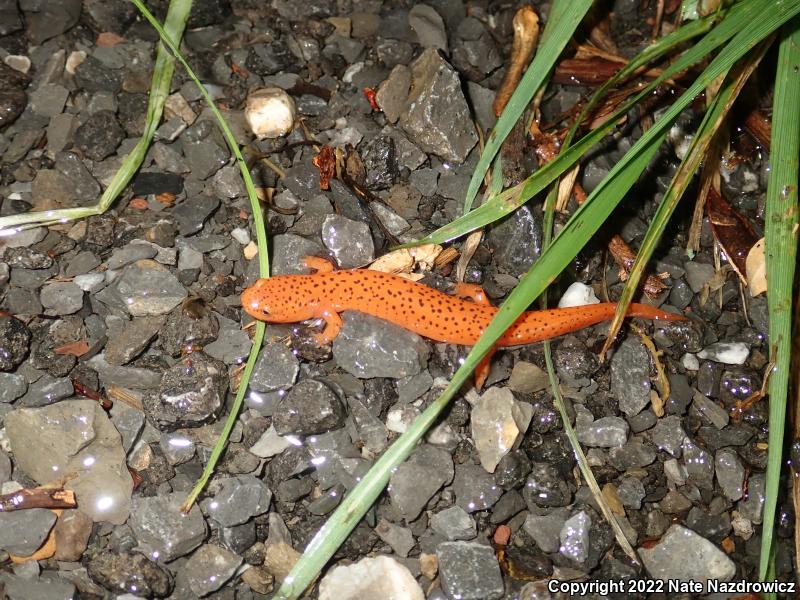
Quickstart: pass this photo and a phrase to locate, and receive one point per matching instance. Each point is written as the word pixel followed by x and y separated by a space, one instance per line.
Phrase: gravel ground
pixel 143 304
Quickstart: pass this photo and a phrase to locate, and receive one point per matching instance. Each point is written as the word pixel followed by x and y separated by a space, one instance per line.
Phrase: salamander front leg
pixel 333 325
pixel 483 368
pixel 318 264
pixel 471 291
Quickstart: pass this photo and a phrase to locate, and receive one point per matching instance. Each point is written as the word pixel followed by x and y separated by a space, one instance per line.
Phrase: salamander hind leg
pixel 318 264
pixel 471 291
pixel 483 368
pixel 333 325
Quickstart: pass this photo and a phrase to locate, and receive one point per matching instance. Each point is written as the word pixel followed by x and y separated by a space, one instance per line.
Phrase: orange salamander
pixel 413 306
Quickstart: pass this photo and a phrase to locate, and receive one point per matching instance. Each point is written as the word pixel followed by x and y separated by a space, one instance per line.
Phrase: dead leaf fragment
pixel 756 267
pixel 77 349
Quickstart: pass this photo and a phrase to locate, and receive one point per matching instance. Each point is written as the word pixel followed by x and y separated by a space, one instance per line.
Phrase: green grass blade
pixel 701 141
pixel 748 22
pixel 263 260
pixel 564 19
pixel 163 70
pixel 780 224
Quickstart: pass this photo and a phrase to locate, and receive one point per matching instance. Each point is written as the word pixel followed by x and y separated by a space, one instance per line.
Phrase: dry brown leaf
pixel 399 261
pixel 756 268
pixel 77 349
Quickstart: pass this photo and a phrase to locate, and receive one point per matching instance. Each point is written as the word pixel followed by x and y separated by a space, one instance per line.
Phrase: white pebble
pixel 729 353
pixel 578 294
pixel 90 282
pixel 270 112
pixel 241 235
pixel 18 62
pixel 690 362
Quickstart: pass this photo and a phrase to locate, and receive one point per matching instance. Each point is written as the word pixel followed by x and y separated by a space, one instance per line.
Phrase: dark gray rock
pixel 130 572
pixel 469 571
pixel 191 393
pixel 100 135
pixel 310 407
pixel 238 500
pixel 415 481
pixel 15 340
pixel 22 532
pixel 437 117
pixel 162 531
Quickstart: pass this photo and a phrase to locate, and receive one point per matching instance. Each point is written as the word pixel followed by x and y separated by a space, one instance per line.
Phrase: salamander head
pixel 275 300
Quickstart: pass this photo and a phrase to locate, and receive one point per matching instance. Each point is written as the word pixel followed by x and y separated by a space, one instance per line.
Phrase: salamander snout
pixel 255 300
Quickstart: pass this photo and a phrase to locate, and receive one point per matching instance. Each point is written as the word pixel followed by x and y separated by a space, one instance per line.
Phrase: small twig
pixel 662 381
pixel 37 498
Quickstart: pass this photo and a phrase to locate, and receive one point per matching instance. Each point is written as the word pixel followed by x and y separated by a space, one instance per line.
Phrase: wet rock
pixel 753 506
pixel 607 432
pixel 699 465
pixel 310 407
pixel 129 254
pixel 729 353
pixel 22 532
pixel 469 571
pixel 546 529
pixel 631 455
pixel 349 241
pixel 475 52
pixel 574 361
pixel 276 368
pixel 100 135
pixel 27 258
pixel 13 98
pixel 133 340
pixel 209 568
pixel 146 288
pixel 512 470
pixel 79 438
pixel 497 421
pixel 475 489
pixel 177 448
pixel 398 538
pixel 715 414
pixel 574 537
pixel 698 275
pixel 370 347
pixel 15 340
pixel 730 473
pixel 436 117
pixel 454 523
pixel 429 27
pixel 668 435
pixel 238 500
pixel 72 532
pixel 545 487
pixel 269 444
pixel 380 162
pixel 130 377
pixel 12 386
pixel 204 155
pixel 193 212
pixel 393 91
pixel 516 241
pixel 631 492
pixel 129 572
pixel 268 59
pixel 188 327
pixel 46 390
pixel 64 298
pixel 630 376
pixel 527 378
pixel 44 21
pixel 683 555
pixel 231 346
pixel 191 393
pixel 376 577
pixel 415 481
pixel 162 531
pixel 680 394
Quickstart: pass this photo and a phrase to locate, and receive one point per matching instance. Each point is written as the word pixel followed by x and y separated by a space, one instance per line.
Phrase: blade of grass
pixel 780 223
pixel 164 67
pixel 263 259
pixel 701 141
pixel 564 19
pixel 747 24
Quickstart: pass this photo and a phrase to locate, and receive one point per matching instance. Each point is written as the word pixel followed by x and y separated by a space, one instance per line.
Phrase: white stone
pixel 270 112
pixel 578 294
pixel 379 577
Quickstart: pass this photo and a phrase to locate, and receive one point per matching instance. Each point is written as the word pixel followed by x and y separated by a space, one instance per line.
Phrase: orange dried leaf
pixel 138 204
pixel 166 198
pixel 108 39
pixel 78 348
pixel 732 231
pixel 325 161
pixel 370 94
pixel 756 269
